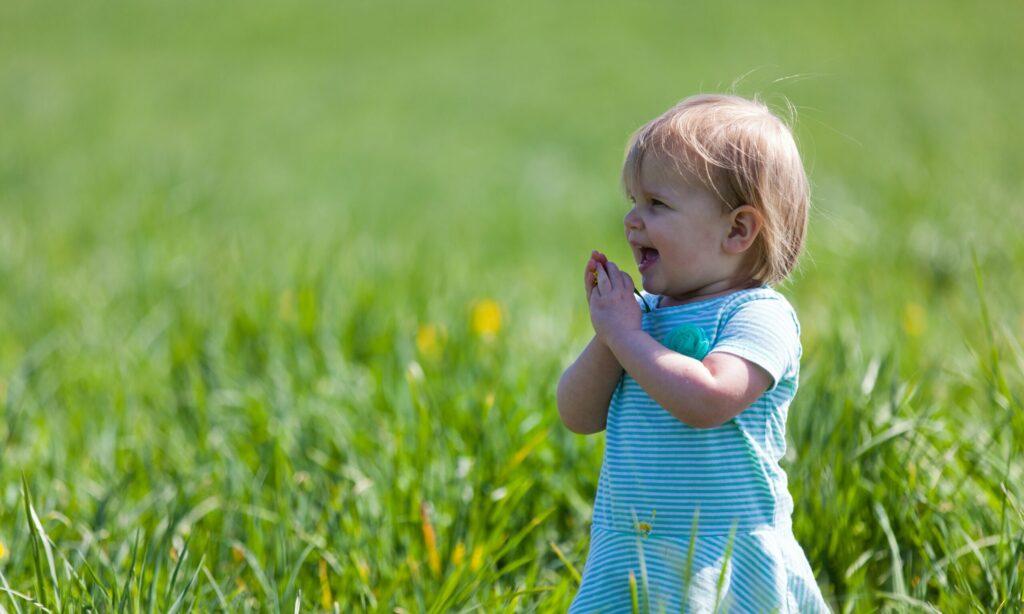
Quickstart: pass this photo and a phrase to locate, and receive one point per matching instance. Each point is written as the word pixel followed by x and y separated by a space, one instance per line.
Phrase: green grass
pixel 221 227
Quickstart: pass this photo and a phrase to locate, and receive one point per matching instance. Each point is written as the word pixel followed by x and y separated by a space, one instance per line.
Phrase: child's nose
pixel 632 219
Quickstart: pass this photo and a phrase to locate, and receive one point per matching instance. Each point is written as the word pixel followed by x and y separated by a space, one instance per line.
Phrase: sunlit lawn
pixel 285 291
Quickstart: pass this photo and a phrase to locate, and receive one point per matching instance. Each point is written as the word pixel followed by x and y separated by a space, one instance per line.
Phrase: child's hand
pixel 613 310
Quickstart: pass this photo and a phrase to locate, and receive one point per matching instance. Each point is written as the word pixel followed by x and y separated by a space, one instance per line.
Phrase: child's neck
pixel 698 295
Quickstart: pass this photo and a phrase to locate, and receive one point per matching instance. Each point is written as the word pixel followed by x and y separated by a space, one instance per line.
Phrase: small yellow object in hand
pixel 595 277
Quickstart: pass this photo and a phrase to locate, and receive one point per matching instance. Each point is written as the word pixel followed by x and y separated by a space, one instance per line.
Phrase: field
pixel 286 290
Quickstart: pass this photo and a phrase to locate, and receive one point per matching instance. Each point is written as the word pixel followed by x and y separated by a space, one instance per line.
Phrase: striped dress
pixel 701 518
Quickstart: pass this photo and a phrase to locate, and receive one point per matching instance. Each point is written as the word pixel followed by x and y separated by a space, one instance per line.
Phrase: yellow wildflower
pixel 325 588
pixel 430 539
pixel 429 340
pixel 459 554
pixel 478 558
pixel 486 319
pixel 915 319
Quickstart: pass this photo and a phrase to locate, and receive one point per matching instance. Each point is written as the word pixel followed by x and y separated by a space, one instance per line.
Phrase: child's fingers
pixel 614 275
pixel 627 281
pixel 590 276
pixel 604 283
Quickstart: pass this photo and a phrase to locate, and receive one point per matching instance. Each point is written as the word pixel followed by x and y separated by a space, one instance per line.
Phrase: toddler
pixel 692 377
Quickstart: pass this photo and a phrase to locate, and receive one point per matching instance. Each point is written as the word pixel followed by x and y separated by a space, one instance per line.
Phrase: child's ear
pixel 745 222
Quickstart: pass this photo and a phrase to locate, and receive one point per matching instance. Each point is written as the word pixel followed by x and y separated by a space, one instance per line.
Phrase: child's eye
pixel 655 202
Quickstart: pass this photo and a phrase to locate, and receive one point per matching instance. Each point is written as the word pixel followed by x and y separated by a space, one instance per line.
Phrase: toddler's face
pixel 676 229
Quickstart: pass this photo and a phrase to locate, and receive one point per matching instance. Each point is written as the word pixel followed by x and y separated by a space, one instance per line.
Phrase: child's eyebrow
pixel 648 193
pixel 657 195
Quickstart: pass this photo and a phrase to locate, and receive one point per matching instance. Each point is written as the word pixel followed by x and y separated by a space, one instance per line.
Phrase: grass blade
pixel 634 599
pixel 725 566
pixel 688 570
pixel 216 589
pixel 126 588
pixel 897 562
pixel 261 577
pixel 177 567
pixel 561 557
pixel 10 596
pixel 294 575
pixel 28 598
pixel 644 584
pixel 151 597
pixel 39 536
pixel 181 598
pixel 521 535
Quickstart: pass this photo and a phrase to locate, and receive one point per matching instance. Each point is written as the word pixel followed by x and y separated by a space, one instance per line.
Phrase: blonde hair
pixel 745 154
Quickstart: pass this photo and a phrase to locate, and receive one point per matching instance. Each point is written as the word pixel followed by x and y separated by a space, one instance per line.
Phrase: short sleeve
pixel 764 331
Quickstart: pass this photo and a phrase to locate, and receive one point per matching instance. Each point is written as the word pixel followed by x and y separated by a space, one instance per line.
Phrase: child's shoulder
pixel 758 293
pixel 762 303
pixel 760 324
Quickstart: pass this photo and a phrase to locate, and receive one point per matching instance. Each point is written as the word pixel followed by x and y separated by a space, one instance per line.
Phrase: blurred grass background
pixel 242 246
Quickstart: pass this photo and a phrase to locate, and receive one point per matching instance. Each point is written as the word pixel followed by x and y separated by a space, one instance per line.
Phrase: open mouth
pixel 648 256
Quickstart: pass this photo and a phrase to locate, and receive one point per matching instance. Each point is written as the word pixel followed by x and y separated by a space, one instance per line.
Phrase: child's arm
pixel 700 394
pixel 586 387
